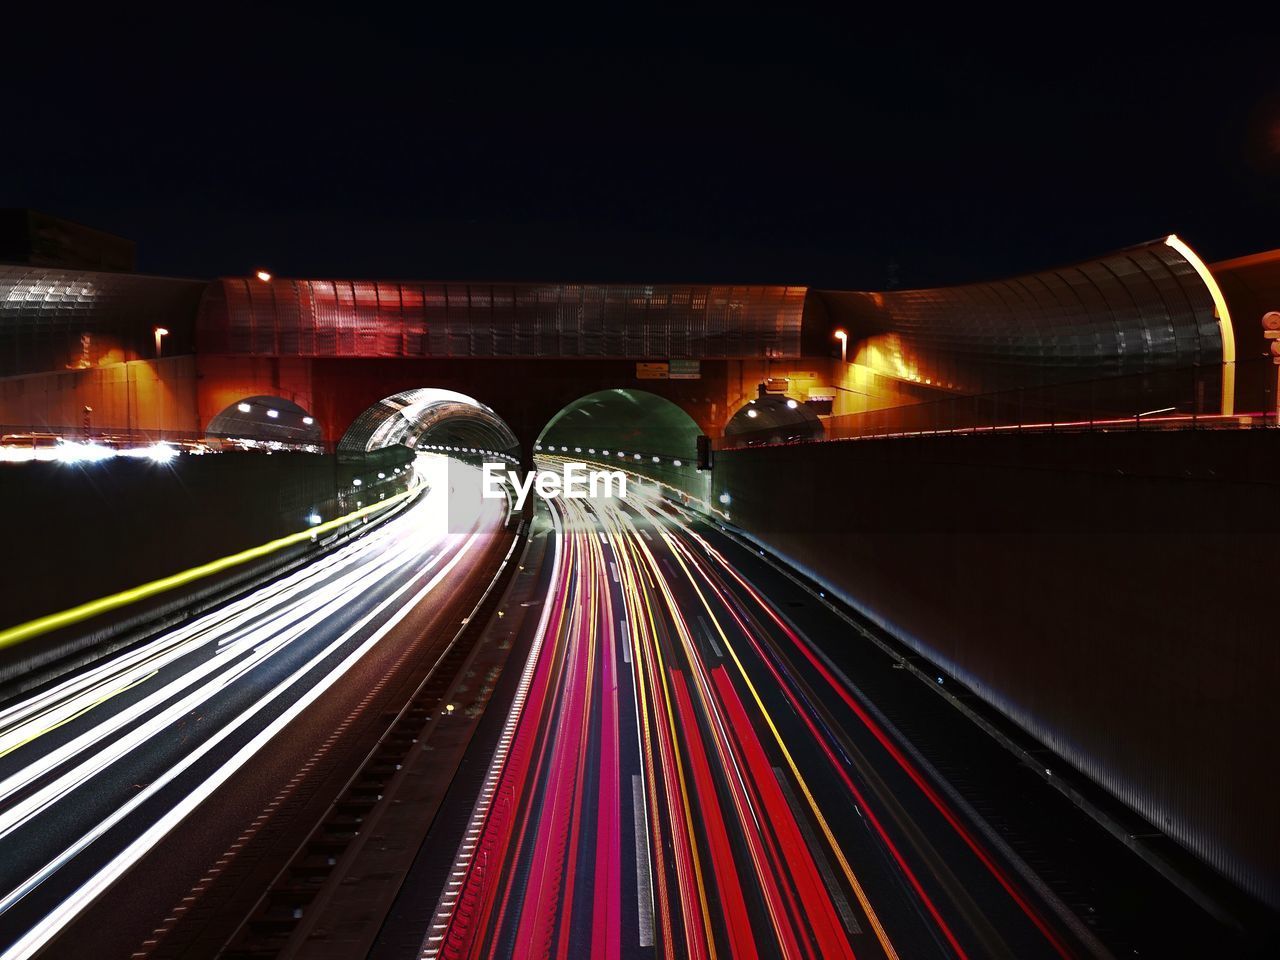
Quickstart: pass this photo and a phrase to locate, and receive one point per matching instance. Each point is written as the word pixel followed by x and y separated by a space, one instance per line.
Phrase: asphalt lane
pixel 682 773
pixel 101 767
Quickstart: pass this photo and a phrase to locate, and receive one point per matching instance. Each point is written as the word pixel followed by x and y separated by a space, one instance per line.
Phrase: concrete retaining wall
pixel 1114 594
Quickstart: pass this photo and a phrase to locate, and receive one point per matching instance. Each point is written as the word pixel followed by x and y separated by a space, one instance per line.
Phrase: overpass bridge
pixel 1082 583
pixel 325 360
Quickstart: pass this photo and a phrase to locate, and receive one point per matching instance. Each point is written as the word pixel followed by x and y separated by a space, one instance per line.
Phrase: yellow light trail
pixel 53 621
pixel 863 900
pixel 653 651
pixel 79 713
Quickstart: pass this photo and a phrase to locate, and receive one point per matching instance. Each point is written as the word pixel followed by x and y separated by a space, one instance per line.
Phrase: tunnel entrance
pixel 428 418
pixel 774 419
pixel 639 431
pixel 265 419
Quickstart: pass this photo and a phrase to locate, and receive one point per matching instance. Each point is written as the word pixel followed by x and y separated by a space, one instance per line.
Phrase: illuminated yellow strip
pixel 1224 322
pixel 54 621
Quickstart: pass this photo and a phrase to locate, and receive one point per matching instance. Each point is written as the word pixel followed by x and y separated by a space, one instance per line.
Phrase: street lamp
pixel 263 275
pixel 844 345
pixel 161 333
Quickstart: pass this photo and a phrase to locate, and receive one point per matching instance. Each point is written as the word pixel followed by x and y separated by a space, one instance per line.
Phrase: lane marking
pixel 710 635
pixel 644 870
pixel 626 641
pixel 819 855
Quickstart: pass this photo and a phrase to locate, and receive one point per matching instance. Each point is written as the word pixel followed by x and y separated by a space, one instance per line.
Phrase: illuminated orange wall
pixel 147 395
pixel 224 381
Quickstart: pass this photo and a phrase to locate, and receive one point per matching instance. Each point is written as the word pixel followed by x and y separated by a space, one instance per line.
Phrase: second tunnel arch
pixel 632 429
pixel 429 417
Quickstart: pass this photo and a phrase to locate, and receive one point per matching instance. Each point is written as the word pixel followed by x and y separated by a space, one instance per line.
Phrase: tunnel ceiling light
pixel 308 420
pixel 752 414
pixel 356 482
pixel 676 463
pixel 637 456
pixel 791 404
pixel 273 414
pixel 263 275
pixel 243 407
pixel 724 498
pixel 656 460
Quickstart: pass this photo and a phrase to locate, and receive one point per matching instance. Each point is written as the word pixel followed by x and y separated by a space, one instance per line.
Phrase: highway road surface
pixel 683 774
pixel 100 767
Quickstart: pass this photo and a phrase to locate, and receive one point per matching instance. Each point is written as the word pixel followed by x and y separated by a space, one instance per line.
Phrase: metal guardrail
pixel 1182 399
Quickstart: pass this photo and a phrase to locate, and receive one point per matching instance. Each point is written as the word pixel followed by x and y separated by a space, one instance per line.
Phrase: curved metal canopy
pixel 429 416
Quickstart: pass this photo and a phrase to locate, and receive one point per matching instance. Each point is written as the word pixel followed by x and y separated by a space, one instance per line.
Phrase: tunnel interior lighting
pixel 313 518
pixel 243 407
pixel 263 275
pixel 273 414
pixel 676 463
pixel 791 404
pixel 724 498
pixel 381 475
pixel 753 414
pixel 308 420
pixel 656 460
pixel 356 482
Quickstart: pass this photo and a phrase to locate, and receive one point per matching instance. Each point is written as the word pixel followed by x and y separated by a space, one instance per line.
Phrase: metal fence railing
pixel 1187 398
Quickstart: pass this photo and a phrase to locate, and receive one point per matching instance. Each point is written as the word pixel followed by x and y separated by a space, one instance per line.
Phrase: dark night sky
pixel 765 148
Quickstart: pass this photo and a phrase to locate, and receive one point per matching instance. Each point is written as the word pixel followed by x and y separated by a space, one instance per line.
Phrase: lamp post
pixel 161 333
pixel 844 345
